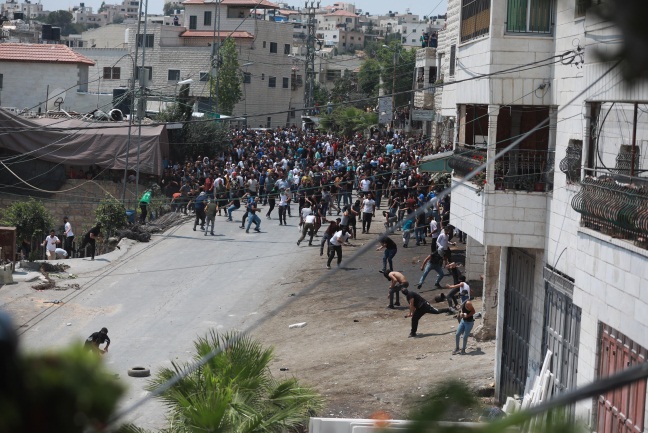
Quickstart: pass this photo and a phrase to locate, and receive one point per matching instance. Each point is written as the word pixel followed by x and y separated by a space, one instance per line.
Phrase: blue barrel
pixel 130 216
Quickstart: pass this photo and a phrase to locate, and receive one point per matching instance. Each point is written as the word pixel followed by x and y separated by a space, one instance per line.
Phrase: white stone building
pixel 560 216
pixel 38 77
pixel 24 11
pixel 176 53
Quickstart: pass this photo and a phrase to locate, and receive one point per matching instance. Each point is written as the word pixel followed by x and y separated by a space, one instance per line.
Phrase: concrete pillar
pixel 461 125
pixel 493 112
pixel 486 331
pixel 474 259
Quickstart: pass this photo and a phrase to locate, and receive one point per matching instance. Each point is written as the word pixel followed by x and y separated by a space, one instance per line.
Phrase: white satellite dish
pixel 55 100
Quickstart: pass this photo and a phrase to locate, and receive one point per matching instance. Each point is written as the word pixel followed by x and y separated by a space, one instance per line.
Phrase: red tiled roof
pixel 342 13
pixel 41 53
pixel 252 4
pixel 210 34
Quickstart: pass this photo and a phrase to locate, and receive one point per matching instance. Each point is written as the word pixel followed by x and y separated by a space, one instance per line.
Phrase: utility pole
pixel 143 79
pixel 393 97
pixel 214 61
pixel 309 88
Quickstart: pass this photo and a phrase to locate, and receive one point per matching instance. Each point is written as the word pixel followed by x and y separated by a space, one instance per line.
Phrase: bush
pixel 112 215
pixel 31 219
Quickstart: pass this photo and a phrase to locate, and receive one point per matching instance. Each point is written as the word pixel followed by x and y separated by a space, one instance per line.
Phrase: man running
pixel 338 239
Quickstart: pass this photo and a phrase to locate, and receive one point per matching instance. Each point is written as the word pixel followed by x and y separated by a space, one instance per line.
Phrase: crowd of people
pixel 335 186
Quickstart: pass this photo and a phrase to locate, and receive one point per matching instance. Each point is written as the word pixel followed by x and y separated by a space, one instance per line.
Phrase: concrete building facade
pixel 564 267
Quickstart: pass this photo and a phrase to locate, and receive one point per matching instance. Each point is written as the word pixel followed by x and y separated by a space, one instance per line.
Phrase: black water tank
pixel 47 32
pixel 56 33
pixel 121 101
pixel 18 16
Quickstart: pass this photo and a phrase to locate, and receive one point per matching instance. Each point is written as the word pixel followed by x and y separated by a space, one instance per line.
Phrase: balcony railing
pixel 518 170
pixel 616 209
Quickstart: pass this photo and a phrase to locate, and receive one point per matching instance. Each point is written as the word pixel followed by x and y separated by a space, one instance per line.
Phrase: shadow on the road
pixel 432 334
pixel 476 352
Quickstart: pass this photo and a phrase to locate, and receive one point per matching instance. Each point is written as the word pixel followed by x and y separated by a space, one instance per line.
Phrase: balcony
pixel 517 170
pixel 616 209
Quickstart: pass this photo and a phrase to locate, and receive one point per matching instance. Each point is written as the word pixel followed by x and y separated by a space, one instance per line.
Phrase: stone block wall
pixel 78 200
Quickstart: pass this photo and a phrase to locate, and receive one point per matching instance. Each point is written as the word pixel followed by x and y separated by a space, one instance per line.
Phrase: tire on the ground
pixel 139 372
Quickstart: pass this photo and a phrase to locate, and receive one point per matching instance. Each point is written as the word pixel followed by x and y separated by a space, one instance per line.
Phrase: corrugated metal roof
pixel 41 53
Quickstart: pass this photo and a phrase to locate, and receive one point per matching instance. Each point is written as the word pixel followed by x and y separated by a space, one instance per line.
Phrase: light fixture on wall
pixel 262 77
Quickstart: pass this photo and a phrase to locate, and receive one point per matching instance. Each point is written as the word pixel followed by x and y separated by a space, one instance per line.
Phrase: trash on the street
pixel 297 325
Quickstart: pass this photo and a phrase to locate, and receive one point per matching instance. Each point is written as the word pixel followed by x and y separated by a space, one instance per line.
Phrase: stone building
pixel 566 257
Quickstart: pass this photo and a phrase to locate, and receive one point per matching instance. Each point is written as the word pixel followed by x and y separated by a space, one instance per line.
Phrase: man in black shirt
pixel 418 307
pixel 96 339
pixel 391 249
pixel 90 238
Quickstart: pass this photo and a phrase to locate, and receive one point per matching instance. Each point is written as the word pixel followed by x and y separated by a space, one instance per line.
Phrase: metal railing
pixel 475 19
pixel 616 209
pixel 518 170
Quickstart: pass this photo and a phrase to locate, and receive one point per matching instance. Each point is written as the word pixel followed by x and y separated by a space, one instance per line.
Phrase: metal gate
pixel 621 410
pixel 518 300
pixel 561 335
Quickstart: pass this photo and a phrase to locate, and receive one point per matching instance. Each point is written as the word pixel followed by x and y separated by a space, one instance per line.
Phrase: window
pixel 580 7
pixel 292 113
pixel 273 47
pixel 174 75
pixel 247 77
pixel 204 76
pixel 453 55
pixel 272 81
pixel 334 36
pixel 332 75
pixel 264 44
pixel 110 73
pixel 149 41
pixel 286 82
pixel 150 72
pixel 529 16
pixel 286 48
pixel 193 22
pixel 1 78
pixel 432 73
pixel 269 122
pixel 475 18
pixel 207 18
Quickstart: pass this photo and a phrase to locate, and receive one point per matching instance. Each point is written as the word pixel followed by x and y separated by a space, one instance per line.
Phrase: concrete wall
pixel 448 37
pixel 474 265
pixel 26 85
pixel 80 204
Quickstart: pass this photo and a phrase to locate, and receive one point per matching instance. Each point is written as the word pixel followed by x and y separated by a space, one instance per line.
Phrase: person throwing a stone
pixel 418 307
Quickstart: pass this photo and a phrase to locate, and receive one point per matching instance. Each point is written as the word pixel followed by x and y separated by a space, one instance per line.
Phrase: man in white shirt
pixel 69 236
pixel 338 239
pixel 309 226
pixel 60 253
pixel 51 241
pixel 443 244
pixel 365 186
pixel 434 232
pixel 368 212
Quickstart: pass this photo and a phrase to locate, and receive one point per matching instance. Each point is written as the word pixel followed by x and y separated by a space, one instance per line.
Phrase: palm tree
pixel 234 391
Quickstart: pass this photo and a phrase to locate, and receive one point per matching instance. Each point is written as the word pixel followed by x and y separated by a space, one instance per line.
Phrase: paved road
pixel 159 296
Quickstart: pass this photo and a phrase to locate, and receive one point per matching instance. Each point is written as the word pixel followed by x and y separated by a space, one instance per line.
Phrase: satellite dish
pixel 55 100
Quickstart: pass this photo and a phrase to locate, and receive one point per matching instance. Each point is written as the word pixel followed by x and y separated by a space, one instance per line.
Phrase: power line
pixel 364 249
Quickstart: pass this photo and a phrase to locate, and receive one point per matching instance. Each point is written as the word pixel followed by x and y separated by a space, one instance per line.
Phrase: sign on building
pixel 423 115
pixel 385 109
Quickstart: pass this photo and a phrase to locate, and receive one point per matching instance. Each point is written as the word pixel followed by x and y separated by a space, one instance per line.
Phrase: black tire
pixel 139 372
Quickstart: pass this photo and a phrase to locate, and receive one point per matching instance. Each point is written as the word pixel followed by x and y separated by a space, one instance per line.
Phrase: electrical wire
pixel 364 249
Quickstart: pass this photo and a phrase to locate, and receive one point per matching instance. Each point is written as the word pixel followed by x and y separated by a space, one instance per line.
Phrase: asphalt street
pixel 159 296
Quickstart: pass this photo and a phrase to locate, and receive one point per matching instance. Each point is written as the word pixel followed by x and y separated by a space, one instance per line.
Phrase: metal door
pixel 561 335
pixel 518 300
pixel 621 410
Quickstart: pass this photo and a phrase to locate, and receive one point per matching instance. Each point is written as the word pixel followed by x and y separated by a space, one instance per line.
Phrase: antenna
pixel 56 100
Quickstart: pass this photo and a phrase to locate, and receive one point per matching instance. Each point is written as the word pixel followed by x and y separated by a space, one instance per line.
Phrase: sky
pixel 374 7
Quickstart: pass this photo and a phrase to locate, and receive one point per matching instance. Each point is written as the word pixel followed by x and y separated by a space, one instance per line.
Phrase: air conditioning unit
pixel 481 141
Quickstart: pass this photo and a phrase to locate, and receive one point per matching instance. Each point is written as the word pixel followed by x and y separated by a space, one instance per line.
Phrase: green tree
pixel 118 19
pixel 234 391
pixel 348 120
pixel 229 78
pixel 31 219
pixel 102 8
pixel 111 214
pixel 321 94
pixel 369 77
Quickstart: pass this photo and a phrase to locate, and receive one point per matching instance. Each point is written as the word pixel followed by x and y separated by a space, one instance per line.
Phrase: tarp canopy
pixel 84 143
